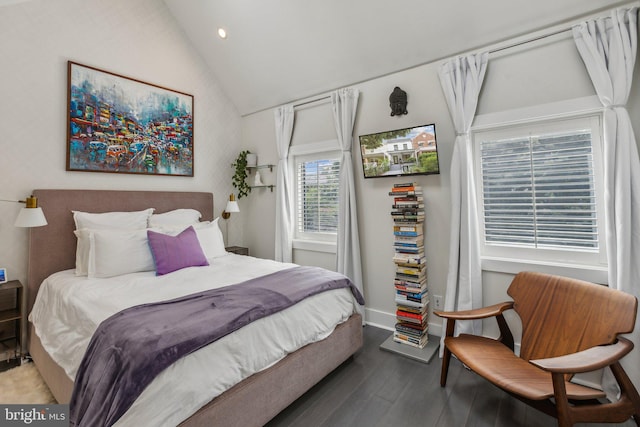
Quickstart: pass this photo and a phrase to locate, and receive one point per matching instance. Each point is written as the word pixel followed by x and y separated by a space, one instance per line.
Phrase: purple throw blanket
pixel 130 348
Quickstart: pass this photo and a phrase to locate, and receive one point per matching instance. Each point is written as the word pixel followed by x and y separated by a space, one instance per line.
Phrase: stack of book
pixel 410 281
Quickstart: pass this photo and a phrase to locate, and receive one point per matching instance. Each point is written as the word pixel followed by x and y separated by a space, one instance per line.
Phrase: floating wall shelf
pixel 270 167
pixel 256 168
pixel 263 186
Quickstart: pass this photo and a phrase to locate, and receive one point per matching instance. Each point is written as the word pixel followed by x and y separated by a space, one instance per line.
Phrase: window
pixel 540 191
pixel 317 182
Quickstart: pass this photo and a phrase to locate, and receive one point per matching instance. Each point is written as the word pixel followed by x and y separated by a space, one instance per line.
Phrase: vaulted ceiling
pixel 278 51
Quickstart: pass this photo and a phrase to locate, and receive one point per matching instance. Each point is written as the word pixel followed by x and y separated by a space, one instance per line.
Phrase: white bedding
pixel 68 310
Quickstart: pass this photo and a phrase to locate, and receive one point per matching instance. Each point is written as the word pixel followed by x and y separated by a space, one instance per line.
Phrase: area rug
pixel 23 384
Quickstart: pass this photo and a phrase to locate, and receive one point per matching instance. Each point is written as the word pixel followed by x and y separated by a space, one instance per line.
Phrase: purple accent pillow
pixel 171 253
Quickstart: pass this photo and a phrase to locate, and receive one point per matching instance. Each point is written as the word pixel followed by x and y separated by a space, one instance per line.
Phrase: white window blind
pixel 539 190
pixel 317 196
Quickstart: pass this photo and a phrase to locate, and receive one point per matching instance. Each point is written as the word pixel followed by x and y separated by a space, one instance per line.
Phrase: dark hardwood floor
pixel 379 388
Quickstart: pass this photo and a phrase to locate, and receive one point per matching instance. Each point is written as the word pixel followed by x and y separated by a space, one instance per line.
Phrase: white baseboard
pixel 380 319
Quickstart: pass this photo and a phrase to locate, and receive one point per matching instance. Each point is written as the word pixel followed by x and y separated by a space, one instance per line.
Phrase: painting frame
pixel 118 124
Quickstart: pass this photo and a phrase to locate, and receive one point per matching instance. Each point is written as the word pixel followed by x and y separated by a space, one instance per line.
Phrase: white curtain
pixel 345 104
pixel 461 79
pixel 284 117
pixel 608 48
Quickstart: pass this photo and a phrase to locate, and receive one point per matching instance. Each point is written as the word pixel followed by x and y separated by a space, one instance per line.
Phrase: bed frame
pixel 252 402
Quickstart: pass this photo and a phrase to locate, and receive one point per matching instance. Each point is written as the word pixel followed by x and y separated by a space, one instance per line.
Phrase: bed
pixel 252 401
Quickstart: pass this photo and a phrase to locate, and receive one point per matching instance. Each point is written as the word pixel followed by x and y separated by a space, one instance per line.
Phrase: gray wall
pixel 139 39
pixel 536 73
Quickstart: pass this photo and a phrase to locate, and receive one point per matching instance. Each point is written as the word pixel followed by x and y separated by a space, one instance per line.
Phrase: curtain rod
pixel 311 101
pixel 571 23
pixel 531 40
pixel 509 46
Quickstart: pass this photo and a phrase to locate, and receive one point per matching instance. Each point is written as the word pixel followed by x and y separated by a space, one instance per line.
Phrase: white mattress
pixel 68 310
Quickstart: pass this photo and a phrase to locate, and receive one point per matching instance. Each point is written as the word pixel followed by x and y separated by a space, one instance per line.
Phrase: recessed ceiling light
pixel 222 33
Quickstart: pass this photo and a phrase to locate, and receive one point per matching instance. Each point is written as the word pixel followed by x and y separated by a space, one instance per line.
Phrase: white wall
pixel 537 73
pixel 138 39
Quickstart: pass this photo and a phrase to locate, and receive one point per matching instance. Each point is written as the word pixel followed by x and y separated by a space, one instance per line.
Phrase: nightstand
pixel 239 250
pixel 11 294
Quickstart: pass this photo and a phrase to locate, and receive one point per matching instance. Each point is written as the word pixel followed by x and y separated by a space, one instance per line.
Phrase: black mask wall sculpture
pixel 398 102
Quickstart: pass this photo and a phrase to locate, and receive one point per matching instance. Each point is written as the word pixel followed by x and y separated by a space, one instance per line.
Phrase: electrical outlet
pixel 438 302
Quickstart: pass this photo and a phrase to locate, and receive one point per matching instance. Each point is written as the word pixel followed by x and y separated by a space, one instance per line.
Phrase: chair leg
pixel 627 389
pixel 562 403
pixel 446 355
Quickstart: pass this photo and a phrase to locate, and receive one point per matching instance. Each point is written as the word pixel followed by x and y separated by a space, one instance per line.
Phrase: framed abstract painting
pixel 122 125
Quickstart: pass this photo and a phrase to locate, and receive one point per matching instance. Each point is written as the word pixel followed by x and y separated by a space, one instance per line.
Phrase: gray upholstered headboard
pixel 53 247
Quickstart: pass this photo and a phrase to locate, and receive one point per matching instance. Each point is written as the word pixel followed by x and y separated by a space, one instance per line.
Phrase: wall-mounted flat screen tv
pixel 400 152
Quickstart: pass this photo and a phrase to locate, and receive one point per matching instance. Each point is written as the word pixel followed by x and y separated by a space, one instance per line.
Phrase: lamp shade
pixel 30 217
pixel 232 206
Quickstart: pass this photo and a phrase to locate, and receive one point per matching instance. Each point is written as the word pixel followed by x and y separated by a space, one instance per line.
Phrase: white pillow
pixel 211 240
pixel 82 251
pixel 117 252
pixel 175 218
pixel 103 221
pixel 174 230
pixel 112 220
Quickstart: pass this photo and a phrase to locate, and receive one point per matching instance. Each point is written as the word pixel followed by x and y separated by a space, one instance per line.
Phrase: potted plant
pixel 239 179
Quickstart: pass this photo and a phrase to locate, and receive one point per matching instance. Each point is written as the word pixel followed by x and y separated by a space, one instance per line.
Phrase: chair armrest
pixel 479 313
pixel 587 360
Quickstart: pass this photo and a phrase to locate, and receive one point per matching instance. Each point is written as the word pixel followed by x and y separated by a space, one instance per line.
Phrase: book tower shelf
pixel 410 281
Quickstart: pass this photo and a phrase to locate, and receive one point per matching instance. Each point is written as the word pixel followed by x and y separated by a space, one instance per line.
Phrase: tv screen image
pixel 400 152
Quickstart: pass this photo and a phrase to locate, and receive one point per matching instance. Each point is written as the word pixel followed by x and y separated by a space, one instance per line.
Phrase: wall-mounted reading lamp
pixel 31 215
pixel 232 207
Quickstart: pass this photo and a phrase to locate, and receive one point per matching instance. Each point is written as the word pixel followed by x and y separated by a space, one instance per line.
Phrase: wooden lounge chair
pixel 568 327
